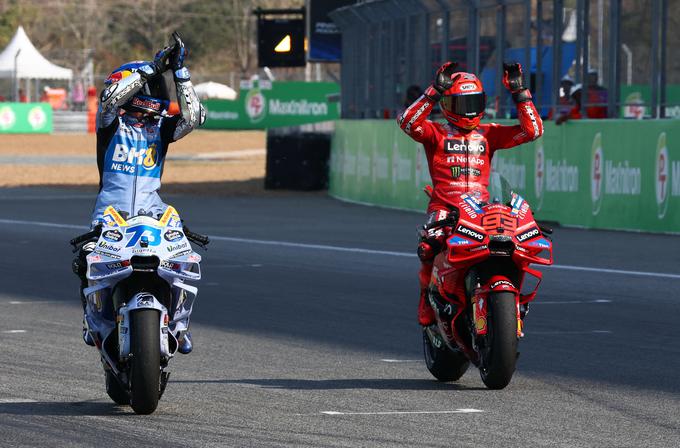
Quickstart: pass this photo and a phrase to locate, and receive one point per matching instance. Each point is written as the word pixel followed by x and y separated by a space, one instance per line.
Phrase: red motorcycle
pixel 477 284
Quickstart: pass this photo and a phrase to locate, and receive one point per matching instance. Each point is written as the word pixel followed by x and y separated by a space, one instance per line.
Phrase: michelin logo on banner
pixel 667 176
pixel 608 178
pixel 257 107
pixel 553 176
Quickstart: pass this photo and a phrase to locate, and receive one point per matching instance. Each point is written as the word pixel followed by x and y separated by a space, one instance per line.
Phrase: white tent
pixel 212 89
pixel 20 60
pixel 30 64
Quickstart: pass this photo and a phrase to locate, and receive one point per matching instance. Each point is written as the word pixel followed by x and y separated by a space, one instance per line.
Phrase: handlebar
pixel 201 240
pixel 450 220
pixel 92 234
pixel 545 229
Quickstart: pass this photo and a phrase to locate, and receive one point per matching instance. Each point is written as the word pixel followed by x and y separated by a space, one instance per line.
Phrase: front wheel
pixel 443 364
pixel 499 353
pixel 145 370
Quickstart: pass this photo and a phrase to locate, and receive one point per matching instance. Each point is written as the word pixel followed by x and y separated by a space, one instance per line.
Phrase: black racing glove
pixel 513 81
pixel 160 61
pixel 442 81
pixel 179 53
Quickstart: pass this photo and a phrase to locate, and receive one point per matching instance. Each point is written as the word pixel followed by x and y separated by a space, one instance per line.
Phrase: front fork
pixel 480 304
pixel 139 301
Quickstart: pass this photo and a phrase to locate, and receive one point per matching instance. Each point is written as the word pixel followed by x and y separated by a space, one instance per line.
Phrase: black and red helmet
pixel 463 104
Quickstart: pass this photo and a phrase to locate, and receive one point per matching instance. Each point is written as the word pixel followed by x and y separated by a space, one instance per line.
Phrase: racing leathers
pixel 459 162
pixel 131 151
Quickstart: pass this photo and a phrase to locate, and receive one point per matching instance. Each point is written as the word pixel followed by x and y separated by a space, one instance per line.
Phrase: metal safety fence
pixel 622 54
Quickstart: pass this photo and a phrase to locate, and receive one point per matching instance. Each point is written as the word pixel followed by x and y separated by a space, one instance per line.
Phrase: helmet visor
pixel 469 105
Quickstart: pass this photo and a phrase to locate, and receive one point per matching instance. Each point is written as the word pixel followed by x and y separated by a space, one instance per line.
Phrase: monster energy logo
pixel 457 171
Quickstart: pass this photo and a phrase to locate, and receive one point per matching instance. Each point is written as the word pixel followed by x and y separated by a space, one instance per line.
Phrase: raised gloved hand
pixel 513 81
pixel 160 61
pixel 512 76
pixel 179 53
pixel 442 81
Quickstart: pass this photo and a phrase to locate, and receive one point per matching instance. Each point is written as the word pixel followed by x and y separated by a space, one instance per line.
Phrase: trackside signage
pixel 609 174
pixel 262 105
pixel 25 118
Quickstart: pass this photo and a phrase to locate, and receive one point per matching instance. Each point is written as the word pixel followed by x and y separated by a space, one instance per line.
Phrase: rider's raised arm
pixel 530 124
pixel 414 120
pixel 192 113
pixel 530 128
pixel 115 95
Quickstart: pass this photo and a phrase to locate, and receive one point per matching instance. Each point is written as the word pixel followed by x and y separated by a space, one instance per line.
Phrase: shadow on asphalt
pixel 65 408
pixel 337 384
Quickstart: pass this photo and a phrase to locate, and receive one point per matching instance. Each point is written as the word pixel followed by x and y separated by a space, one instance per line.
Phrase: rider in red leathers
pixel 459 152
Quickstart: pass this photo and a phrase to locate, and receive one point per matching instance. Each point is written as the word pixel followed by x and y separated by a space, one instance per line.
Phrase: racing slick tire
pixel 499 354
pixel 145 370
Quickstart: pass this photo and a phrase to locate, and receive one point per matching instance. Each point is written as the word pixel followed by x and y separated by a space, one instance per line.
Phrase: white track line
pixel 17 400
pixel 29 302
pixel 572 302
pixel 455 411
pixel 47 197
pixel 395 361
pixel 357 250
pixel 571 332
pixel 53 225
pixel 13 331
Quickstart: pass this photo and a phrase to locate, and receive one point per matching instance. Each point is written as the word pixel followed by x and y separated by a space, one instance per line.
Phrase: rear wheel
pixel 499 353
pixel 115 390
pixel 443 364
pixel 145 370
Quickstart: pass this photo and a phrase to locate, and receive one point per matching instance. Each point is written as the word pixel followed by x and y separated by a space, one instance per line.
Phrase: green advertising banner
pixel 607 174
pixel 264 105
pixel 25 118
pixel 636 99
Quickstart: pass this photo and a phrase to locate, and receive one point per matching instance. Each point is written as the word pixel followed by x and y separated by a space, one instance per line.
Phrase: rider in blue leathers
pixel 134 129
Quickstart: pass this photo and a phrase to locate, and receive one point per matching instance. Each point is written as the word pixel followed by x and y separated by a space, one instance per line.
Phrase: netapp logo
pixel 469 232
pixel 528 235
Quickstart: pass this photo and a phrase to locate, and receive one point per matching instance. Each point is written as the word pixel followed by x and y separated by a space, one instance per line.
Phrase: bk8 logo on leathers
pixel 126 160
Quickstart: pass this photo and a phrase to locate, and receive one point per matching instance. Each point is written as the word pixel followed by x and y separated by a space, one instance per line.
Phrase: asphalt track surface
pixel 305 345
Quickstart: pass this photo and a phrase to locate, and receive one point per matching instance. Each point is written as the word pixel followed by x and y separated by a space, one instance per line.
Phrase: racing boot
pixel 426 315
pixel 425 312
pixel 185 344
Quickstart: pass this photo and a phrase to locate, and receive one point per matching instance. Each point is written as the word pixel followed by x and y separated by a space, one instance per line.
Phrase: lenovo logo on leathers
pixel 459 146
